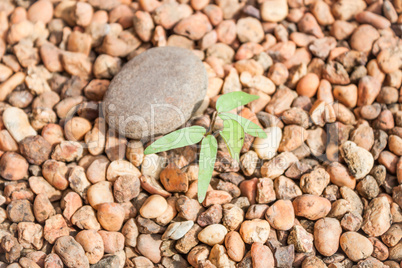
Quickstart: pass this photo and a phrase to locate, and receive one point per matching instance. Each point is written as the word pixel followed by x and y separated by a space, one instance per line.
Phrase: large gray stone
pixel 155 93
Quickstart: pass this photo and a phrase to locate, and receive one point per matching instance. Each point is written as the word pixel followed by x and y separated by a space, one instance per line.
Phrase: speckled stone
pixel 156 92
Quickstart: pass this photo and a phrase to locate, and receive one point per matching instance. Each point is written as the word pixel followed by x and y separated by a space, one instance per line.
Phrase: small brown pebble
pixel 261 255
pixel 110 216
pixel 311 207
pixel 308 85
pixel 20 211
pixel 35 149
pixel 13 166
pixel 92 244
pixel 112 241
pixel 356 246
pixel 301 239
pixel 55 227
pixel 327 232
pixel 71 252
pixel 148 246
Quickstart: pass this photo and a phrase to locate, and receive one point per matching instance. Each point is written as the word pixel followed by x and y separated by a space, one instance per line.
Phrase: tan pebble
pixel 377 217
pixel 213 234
pixel 274 10
pixel 281 215
pixel 100 192
pixel 153 207
pixel 249 30
pixel 16 122
pixel 363 37
pixel 339 175
pixel 301 239
pixel 368 89
pixel 256 230
pixel 55 227
pixel 308 85
pixel 70 203
pixel 261 256
pixel 235 246
pixel 130 232
pixel 13 166
pixel 346 94
pixel 112 241
pixel 359 160
pixel 356 246
pixel 194 27
pixel 311 207
pixel 149 246
pixel 327 232
pixel 85 218
pixel 92 244
pixel 71 252
pixel 42 208
pixel 374 19
pixel 110 216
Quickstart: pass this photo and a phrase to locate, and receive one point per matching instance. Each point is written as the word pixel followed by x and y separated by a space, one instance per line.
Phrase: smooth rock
pixel 163 85
pixel 17 123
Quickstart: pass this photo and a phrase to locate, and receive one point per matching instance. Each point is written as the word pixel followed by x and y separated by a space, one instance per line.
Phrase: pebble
pixel 85 218
pixel 281 215
pixel 256 230
pixel 377 217
pixel 110 216
pixel 173 179
pixel 314 182
pixel 55 173
pixel 43 208
pixel 213 234
pixel 20 211
pixel 118 89
pixel 266 148
pixel 92 244
pixel 235 246
pixel 261 256
pixel 177 230
pixel 35 149
pixel 13 166
pixel 148 245
pixel 39 185
pixel 301 239
pixel 70 252
pixel 55 227
pixel 112 241
pixel 356 246
pixel 99 193
pixel 274 10
pixel 16 122
pixel 130 232
pixel 153 207
pixel 359 160
pixel 70 203
pixel 311 207
pixel 308 85
pixel 327 232
pixel 249 30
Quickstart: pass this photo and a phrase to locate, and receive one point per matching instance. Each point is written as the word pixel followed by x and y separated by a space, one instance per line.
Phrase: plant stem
pixel 211 126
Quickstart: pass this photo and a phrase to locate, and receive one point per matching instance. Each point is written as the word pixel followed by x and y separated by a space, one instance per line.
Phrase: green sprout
pixel 234 127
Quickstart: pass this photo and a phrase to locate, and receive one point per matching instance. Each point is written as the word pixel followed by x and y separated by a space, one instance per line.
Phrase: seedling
pixel 234 127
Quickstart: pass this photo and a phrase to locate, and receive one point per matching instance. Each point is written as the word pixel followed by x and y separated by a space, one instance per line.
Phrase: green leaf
pixel 248 126
pixel 209 148
pixel 177 139
pixel 232 100
pixel 233 135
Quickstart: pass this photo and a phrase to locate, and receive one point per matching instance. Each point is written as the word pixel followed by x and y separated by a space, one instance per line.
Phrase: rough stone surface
pixel 171 81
